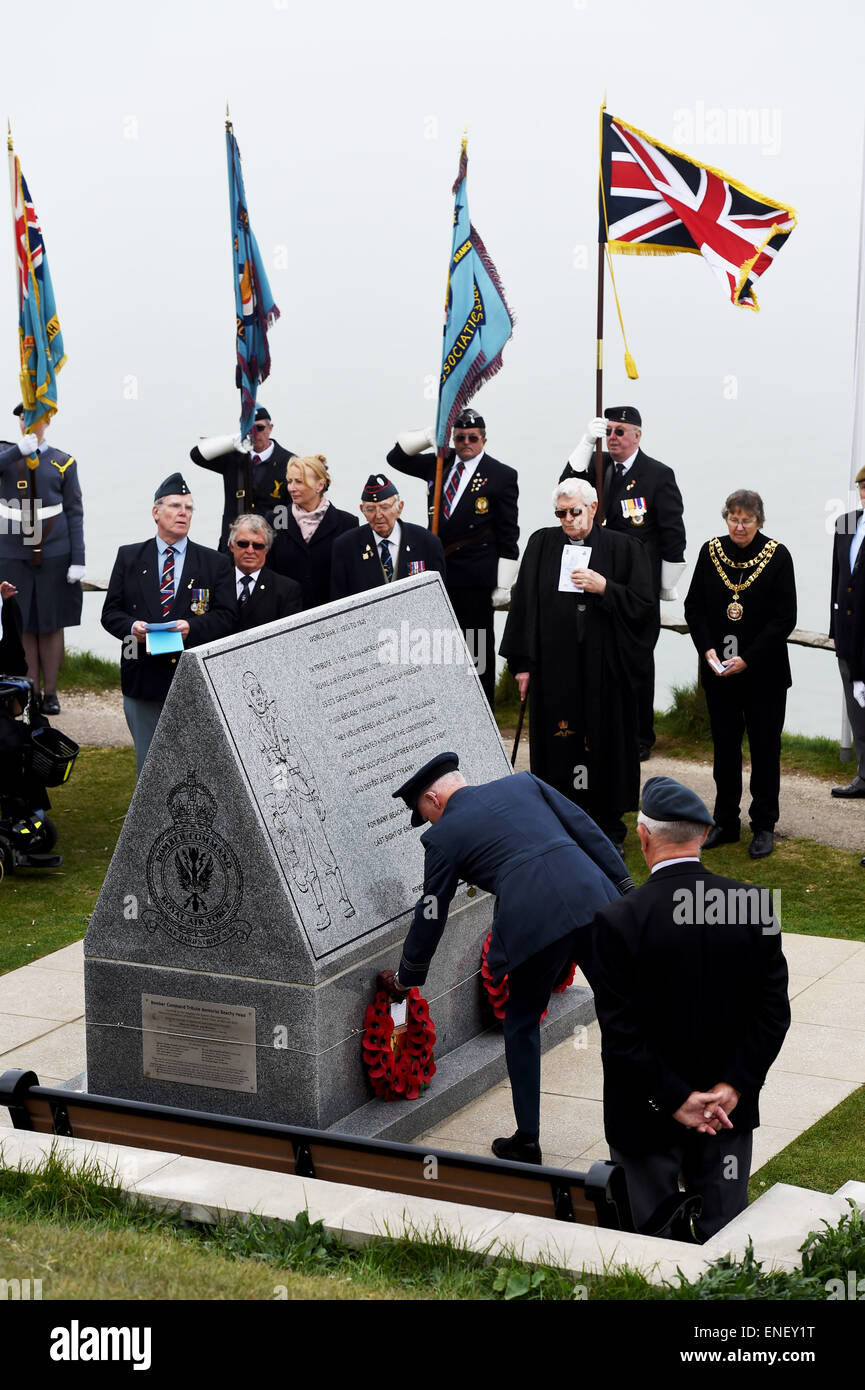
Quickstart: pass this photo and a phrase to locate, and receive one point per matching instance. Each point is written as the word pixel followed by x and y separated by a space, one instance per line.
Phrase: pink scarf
pixel 309 521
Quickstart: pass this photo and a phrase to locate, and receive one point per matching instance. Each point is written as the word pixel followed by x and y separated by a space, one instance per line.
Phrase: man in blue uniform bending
pixel 550 869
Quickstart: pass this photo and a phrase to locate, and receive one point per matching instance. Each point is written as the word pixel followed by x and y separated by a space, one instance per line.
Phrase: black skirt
pixel 46 601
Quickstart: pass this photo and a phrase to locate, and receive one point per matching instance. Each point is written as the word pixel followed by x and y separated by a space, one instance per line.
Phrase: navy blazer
pixel 308 562
pixel 133 595
pixel 483 527
pixel 690 990
pixel 546 861
pixel 847 610
pixel 273 597
pixel 268 483
pixel 356 562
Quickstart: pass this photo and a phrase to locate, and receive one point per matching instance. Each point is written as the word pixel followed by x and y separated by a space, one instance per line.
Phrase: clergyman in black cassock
pixel 584 653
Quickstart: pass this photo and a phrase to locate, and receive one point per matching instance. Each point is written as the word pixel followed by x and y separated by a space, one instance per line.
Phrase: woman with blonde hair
pixel 307 527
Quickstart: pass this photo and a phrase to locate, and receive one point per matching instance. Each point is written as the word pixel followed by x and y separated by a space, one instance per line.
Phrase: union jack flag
pixel 40 339
pixel 655 201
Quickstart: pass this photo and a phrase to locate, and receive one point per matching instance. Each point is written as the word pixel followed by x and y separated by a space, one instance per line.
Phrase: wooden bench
pixel 597 1197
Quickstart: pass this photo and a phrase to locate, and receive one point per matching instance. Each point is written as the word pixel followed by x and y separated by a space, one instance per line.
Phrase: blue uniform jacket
pixel 549 866
pixel 56 485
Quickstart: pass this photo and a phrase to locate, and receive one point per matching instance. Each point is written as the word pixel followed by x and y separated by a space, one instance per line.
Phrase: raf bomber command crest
pixel 193 875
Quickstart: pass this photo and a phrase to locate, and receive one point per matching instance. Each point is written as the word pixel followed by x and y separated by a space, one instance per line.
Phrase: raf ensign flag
pixel 40 339
pixel 478 321
pixel 655 201
pixel 256 310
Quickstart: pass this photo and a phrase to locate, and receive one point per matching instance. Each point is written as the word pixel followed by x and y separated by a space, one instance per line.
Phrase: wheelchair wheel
pixel 46 839
pixel 6 862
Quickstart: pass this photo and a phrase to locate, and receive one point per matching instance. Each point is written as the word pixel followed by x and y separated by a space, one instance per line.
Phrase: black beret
pixel 469 419
pixel 172 487
pixel 664 799
pixel 19 409
pixel 624 415
pixel 261 413
pixel 378 488
pixel 417 784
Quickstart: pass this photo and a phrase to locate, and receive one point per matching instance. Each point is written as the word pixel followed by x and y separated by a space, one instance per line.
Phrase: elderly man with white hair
pixel 578 640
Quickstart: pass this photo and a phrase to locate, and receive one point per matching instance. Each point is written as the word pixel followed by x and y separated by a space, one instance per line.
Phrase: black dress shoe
pixel 762 844
pixel 50 703
pixel 517 1149
pixel 853 790
pixel 645 752
pixel 719 836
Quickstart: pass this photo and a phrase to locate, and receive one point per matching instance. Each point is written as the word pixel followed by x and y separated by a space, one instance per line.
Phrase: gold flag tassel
pixel 630 364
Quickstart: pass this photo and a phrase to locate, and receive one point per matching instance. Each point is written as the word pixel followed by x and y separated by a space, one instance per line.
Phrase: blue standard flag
pixel 256 310
pixel 478 321
pixel 40 339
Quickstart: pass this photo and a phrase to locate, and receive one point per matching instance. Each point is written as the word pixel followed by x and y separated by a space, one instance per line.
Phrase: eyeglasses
pixel 370 508
pixel 461 438
pixel 618 430
pixel 249 545
pixel 570 511
pixel 263 426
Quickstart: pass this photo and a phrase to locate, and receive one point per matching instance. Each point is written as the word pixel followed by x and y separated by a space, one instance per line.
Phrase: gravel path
pixel 807 809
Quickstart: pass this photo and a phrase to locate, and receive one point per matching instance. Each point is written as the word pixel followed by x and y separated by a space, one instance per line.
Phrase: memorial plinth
pixel 264 874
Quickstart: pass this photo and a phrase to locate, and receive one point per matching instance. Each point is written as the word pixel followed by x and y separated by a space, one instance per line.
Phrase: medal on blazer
pixel 200 601
pixel 634 510
pixel 482 505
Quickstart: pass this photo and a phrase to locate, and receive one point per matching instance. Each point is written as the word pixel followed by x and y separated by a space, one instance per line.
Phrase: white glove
pixel 859 693
pixel 74 573
pixel 28 444
pixel 507 573
pixel 582 455
pixel 671 573
pixel 415 441
pixel 219 444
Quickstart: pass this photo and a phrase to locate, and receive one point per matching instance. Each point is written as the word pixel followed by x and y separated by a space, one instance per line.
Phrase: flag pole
pixel 599 360
pixel 440 448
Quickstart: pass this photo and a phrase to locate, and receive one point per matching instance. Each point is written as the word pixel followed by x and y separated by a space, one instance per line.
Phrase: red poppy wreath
pixel 498 994
pixel 399 1061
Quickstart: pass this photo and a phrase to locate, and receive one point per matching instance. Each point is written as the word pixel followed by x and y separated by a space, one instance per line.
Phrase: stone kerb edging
pixel 203 1190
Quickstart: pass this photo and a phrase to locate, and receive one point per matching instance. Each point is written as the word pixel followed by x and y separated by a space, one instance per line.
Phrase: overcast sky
pixel 349 120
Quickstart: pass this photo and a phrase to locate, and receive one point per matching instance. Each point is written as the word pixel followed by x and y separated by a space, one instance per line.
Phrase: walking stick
pixel 523 703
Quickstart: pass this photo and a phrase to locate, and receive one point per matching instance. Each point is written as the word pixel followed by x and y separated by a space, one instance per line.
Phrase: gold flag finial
pixel 9 135
pixel 227 116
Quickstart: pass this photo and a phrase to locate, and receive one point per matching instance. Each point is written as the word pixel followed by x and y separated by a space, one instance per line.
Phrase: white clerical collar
pixel 682 859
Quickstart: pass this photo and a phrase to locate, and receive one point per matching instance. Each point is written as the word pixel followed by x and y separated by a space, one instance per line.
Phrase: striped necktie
pixel 166 588
pixel 386 560
pixel 453 487
pixel 244 593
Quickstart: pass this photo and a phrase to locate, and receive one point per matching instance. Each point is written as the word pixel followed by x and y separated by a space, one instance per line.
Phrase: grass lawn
pixel 84 672
pixel 45 909
pixel 826 1156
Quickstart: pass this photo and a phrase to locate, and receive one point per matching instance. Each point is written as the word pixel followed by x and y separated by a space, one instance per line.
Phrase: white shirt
pixel 856 542
pixel 239 576
pixel 683 859
pixel 392 542
pixel 469 471
pixel 624 464
pixel 264 455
